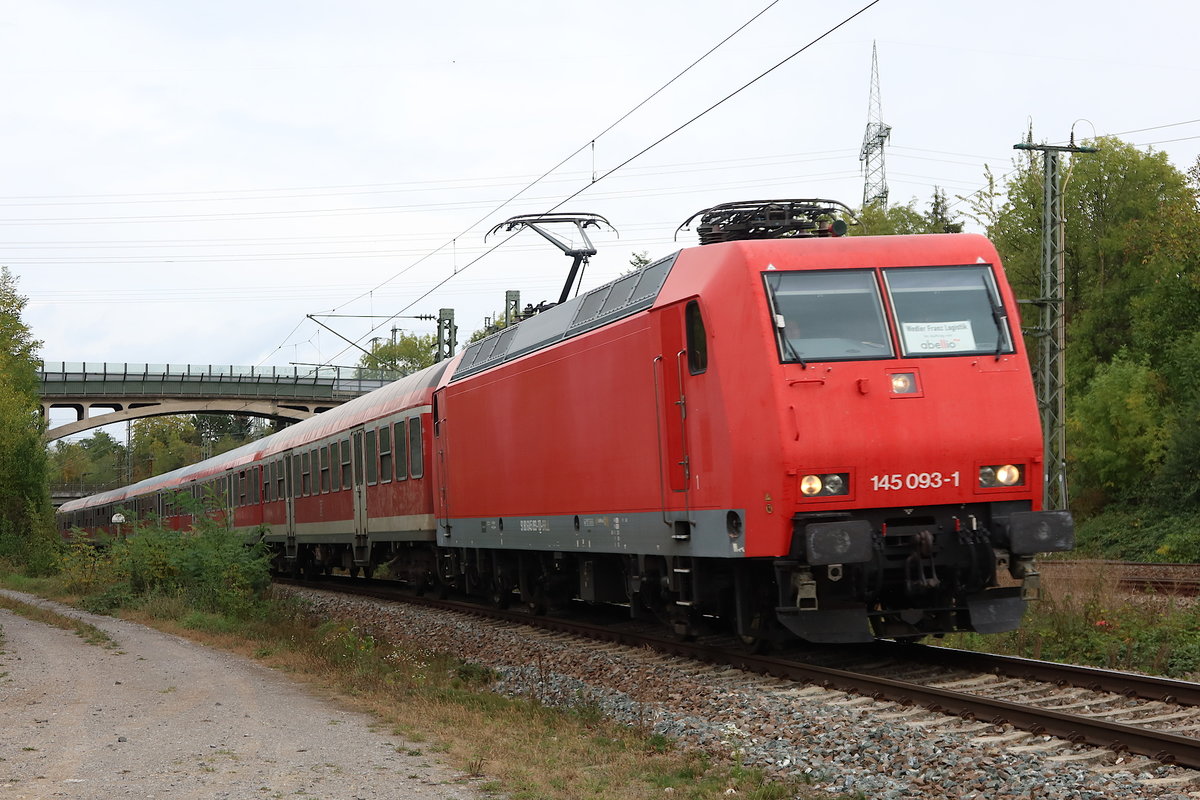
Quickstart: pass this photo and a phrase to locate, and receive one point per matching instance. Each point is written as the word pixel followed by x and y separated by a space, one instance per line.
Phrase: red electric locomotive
pixel 791 431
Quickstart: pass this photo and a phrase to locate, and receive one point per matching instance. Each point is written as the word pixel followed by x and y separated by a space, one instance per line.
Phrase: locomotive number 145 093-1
pixel 913 480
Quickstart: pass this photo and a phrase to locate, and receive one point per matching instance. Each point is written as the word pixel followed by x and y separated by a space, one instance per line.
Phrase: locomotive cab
pixel 905 439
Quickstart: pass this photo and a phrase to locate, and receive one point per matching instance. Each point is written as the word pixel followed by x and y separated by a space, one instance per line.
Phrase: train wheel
pixel 354 570
pixel 500 595
pixel 755 643
pixel 537 604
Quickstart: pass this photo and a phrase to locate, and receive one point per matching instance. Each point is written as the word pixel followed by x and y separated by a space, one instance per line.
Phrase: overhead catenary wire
pixel 652 145
pixel 590 143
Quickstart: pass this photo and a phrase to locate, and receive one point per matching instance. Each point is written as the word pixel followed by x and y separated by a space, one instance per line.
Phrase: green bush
pixel 208 570
pixel 1139 534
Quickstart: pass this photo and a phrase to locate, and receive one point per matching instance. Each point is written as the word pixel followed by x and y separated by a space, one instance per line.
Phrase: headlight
pixel 827 485
pixel 904 382
pixel 1001 475
pixel 811 485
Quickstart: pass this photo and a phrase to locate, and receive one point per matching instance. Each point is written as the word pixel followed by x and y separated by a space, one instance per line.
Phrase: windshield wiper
pixel 789 349
pixel 998 315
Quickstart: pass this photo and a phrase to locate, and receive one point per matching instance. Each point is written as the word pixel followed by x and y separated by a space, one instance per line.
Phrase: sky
pixel 187 182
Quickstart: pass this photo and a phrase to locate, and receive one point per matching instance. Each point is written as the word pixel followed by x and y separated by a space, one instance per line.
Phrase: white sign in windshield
pixel 938 337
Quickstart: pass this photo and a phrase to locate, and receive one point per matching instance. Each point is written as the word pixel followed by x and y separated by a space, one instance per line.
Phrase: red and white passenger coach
pixel 811 435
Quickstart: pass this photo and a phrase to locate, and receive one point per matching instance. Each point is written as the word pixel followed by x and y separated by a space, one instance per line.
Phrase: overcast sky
pixel 186 181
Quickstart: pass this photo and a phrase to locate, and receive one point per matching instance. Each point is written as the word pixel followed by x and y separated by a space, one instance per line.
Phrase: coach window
pixel 306 474
pixel 280 481
pixel 697 342
pixel 416 466
pixel 324 469
pixel 372 463
pixel 401 452
pixel 335 468
pixel 385 454
pixel 346 462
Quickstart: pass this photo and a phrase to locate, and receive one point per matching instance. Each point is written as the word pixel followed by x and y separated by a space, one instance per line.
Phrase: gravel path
pixel 160 717
pixel 842 743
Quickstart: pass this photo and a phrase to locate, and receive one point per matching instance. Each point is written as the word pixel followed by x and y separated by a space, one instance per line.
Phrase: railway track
pixel 1153 717
pixel 1179 580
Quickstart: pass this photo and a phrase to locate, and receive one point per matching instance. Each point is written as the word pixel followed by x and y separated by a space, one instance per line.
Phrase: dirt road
pixel 157 716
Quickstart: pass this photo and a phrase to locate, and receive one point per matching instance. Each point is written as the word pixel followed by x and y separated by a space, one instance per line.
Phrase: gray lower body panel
pixel 702 534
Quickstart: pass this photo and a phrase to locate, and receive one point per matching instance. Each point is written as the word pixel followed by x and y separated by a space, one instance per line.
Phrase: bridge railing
pixel 78 378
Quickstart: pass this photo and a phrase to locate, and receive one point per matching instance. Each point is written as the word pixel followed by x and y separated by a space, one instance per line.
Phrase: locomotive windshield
pixel 831 315
pixel 828 315
pixel 948 311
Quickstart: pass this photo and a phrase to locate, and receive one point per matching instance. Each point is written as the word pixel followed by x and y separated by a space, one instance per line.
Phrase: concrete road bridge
pixel 130 391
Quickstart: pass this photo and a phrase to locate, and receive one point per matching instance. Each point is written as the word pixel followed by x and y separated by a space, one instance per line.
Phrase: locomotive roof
pixel 633 292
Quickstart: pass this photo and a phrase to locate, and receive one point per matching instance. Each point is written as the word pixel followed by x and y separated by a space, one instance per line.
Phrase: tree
pixel 1115 202
pixel 897 219
pixel 24 495
pixel 939 218
pixel 106 457
pixel 1118 438
pixel 406 354
pixel 1132 291
pixel 161 444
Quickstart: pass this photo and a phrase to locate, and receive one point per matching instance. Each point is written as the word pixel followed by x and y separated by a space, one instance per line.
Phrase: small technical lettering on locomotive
pixel 535 526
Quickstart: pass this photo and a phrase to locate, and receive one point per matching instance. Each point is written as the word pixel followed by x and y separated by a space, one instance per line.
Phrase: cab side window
pixel 697 340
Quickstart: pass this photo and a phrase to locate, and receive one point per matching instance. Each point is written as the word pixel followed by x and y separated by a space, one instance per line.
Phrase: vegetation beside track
pixel 208 587
pixel 1082 619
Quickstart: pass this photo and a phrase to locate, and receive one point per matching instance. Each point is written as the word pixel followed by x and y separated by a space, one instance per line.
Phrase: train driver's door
pixel 684 355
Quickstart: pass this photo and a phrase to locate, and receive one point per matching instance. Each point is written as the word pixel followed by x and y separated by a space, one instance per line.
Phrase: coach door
pixel 358 439
pixel 289 500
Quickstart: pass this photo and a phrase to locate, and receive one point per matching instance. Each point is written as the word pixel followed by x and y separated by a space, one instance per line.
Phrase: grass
pixel 435 704
pixel 1082 620
pixel 89 633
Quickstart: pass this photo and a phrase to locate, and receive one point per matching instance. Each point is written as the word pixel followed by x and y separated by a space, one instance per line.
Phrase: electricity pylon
pixel 875 188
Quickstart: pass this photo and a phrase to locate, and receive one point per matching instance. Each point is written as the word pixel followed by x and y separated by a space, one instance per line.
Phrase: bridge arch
pixel 255 408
